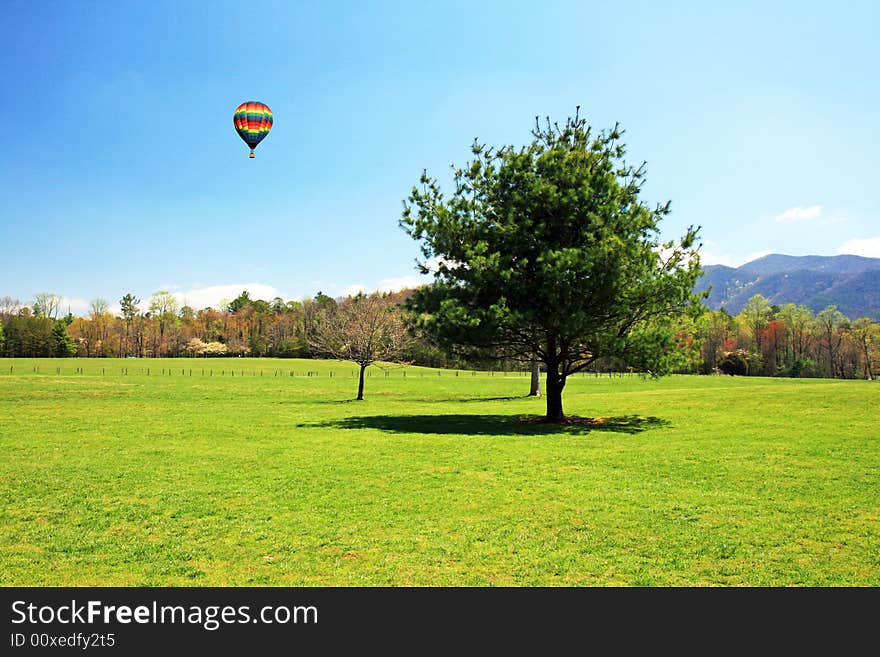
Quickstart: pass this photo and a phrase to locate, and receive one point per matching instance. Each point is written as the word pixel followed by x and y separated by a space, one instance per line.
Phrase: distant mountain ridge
pixel 852 283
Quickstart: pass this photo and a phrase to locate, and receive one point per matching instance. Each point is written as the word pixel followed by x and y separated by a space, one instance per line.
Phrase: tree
pixel 9 306
pixel 714 329
pixel 196 347
pixel 535 381
pixel 129 306
pixel 828 325
pixel 547 251
pixel 755 316
pixel 164 305
pixel 2 338
pixel 241 301
pixel 362 329
pixel 64 346
pixel 47 304
pixel 865 333
pixel 798 320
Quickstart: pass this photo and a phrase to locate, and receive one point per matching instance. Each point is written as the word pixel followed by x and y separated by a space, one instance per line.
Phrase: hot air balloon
pixel 252 121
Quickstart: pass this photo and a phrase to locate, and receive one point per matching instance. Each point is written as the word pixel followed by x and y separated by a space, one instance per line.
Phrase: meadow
pixel 255 472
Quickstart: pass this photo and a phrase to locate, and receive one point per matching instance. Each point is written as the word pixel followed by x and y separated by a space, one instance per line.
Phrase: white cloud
pixel 800 213
pixel 709 258
pixel 353 290
pixel 400 283
pixel 210 296
pixel 434 263
pixel 868 247
pixel 75 305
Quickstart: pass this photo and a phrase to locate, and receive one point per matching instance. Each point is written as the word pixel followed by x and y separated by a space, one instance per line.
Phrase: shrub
pixel 735 363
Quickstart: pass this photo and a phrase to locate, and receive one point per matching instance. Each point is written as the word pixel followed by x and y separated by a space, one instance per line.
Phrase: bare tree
pixel 9 306
pixel 47 304
pixel 362 329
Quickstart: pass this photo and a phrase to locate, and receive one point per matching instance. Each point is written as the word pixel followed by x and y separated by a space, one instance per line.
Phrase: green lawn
pixel 273 479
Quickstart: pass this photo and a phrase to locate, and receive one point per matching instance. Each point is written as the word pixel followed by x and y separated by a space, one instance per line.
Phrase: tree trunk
pixel 554 399
pixel 555 384
pixel 535 389
pixel 360 396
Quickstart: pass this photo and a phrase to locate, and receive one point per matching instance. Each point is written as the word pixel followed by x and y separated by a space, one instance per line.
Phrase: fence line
pixel 209 373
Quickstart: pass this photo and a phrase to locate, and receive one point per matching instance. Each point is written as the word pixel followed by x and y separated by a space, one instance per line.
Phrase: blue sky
pixel 121 171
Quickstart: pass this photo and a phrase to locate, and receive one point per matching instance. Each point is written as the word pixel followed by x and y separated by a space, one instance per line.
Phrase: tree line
pixel 762 340
pixel 785 340
pixel 161 327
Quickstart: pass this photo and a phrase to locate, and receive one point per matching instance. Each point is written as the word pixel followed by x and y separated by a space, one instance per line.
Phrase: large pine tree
pixel 547 251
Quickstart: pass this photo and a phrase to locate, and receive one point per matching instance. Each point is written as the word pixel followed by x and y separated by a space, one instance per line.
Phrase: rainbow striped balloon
pixel 252 121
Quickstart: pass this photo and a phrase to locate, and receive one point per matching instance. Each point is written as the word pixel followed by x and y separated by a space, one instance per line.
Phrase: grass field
pixel 263 478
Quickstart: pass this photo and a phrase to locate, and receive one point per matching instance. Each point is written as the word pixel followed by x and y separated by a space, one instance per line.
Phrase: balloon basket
pixel 251 154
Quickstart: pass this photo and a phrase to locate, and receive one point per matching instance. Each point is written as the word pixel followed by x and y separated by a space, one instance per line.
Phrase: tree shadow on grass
pixel 494 425
pixel 429 400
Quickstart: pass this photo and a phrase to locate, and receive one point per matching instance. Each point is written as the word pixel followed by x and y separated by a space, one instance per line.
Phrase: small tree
pixel 547 251
pixel 215 349
pixel 195 347
pixel 363 329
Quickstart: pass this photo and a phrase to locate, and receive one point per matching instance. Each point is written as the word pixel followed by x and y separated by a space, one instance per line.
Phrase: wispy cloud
pixel 800 213
pixel 868 247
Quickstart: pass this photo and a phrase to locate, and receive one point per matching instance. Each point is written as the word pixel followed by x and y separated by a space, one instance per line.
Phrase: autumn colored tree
pixel 773 340
pixel 715 330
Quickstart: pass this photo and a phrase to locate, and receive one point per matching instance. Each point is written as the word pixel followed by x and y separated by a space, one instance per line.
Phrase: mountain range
pixel 852 283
